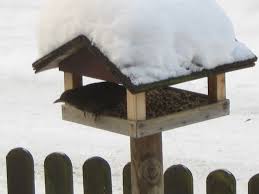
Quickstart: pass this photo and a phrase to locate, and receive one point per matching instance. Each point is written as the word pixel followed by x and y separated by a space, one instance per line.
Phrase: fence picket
pixel 20 172
pixel 253 185
pixel 127 179
pixel 97 176
pixel 178 180
pixel 221 182
pixel 58 174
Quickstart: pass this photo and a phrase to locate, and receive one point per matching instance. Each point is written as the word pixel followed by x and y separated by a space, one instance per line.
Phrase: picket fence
pixel 97 177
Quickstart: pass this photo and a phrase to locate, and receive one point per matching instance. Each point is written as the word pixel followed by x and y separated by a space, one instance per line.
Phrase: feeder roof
pixel 126 42
pixel 81 57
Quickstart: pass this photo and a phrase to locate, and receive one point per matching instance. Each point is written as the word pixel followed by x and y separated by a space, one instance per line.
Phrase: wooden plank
pixel 178 179
pixel 136 106
pixel 221 182
pixel 183 118
pixel 112 124
pixel 60 55
pixel 253 185
pixel 89 64
pixel 194 76
pixel 53 59
pixel 97 176
pixel 127 179
pixel 20 172
pixel 72 81
pixel 146 153
pixel 147 127
pixel 217 87
pixel 58 174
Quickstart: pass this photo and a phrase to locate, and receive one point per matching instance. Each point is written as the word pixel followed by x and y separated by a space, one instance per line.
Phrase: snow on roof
pixel 148 40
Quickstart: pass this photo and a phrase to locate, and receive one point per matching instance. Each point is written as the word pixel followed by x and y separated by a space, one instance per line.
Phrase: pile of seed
pixel 162 102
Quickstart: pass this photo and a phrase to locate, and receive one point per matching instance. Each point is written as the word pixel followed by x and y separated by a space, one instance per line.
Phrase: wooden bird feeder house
pixel 149 109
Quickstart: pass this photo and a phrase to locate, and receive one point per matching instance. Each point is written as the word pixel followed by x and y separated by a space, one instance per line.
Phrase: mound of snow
pixel 149 40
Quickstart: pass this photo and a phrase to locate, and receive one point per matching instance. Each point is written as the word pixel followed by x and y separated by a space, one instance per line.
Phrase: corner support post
pixel 72 81
pixel 217 87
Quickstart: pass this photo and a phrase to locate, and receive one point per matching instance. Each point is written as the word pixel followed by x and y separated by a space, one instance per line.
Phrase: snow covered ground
pixel 29 119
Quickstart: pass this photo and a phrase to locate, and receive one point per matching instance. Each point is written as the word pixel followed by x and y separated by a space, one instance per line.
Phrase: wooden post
pixel 217 87
pixel 97 176
pixel 20 172
pixel 253 185
pixel 178 179
pixel 127 179
pixel 146 152
pixel 72 81
pixel 221 181
pixel 58 174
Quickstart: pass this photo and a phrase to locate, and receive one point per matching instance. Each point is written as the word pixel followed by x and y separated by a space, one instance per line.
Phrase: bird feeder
pixel 149 109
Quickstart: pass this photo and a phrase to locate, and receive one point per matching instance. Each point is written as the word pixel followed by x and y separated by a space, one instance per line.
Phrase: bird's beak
pixel 57 101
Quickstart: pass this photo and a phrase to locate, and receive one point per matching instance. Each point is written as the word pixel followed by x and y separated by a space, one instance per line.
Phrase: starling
pixel 94 98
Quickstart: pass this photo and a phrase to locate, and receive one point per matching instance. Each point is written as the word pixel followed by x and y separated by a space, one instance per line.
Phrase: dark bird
pixel 94 98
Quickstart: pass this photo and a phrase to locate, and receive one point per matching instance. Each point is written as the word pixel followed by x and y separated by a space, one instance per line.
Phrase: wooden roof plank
pixel 196 75
pixel 58 58
pixel 53 59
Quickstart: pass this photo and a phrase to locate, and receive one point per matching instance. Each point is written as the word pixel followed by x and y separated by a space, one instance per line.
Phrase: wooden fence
pixel 97 177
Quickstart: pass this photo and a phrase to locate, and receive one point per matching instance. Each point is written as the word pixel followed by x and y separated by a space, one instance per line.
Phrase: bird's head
pixel 65 97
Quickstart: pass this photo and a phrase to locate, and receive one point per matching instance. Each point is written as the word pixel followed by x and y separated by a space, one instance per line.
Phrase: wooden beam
pixel 72 81
pixel 147 165
pixel 136 106
pixel 183 118
pixel 138 129
pixel 63 54
pixel 217 87
pixel 146 153
pixel 108 123
pixel 55 58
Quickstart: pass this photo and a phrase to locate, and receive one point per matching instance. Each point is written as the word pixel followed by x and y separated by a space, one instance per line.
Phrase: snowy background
pixel 29 119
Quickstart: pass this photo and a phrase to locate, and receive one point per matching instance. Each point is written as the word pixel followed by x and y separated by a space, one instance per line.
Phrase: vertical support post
pixel 146 152
pixel 136 106
pixel 72 81
pixel 217 87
